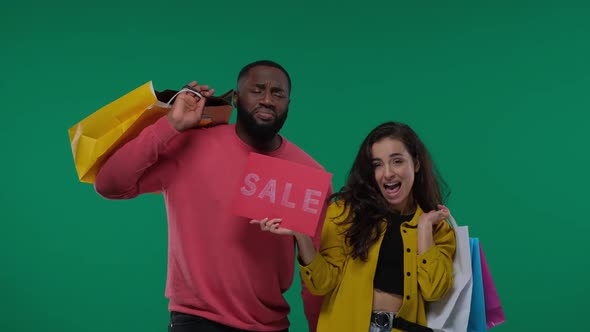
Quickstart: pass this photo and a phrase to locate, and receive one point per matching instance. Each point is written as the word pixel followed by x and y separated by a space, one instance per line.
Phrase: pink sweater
pixel 219 266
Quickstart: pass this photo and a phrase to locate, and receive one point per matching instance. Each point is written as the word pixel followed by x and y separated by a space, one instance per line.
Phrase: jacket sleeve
pixel 138 166
pixel 312 303
pixel 435 266
pixel 325 271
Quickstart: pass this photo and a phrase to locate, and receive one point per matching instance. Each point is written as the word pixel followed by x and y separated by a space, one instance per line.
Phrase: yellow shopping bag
pixel 97 136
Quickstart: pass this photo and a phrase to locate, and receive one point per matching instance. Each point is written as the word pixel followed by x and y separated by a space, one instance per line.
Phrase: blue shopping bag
pixel 477 315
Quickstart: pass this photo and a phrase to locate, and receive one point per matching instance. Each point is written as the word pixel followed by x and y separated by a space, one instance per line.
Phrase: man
pixel 224 274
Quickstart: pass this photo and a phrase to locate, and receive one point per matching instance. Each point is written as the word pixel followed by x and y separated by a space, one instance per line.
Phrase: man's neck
pixel 262 146
pixel 267 146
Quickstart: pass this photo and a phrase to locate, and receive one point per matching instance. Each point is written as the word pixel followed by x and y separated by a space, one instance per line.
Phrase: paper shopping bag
pixel 97 136
pixel 494 311
pixel 451 312
pixel 477 315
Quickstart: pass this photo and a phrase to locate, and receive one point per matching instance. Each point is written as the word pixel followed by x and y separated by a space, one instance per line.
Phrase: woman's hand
pixel 273 226
pixel 435 216
pixel 307 250
pixel 426 222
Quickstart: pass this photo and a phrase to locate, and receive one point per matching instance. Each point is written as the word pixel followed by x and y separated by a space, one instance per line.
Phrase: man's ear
pixel 235 98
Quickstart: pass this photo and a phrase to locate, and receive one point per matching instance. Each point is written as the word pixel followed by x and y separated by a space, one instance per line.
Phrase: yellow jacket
pixel 348 283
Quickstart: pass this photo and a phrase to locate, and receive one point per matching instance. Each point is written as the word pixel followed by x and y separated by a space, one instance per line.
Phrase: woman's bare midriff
pixel 383 301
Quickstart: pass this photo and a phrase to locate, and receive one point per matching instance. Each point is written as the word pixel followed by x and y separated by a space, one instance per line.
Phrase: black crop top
pixel 389 276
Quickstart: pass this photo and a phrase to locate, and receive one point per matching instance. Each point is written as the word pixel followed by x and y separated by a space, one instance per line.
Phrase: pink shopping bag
pixel 494 312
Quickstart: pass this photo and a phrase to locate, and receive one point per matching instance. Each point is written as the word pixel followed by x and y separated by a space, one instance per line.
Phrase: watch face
pixel 382 320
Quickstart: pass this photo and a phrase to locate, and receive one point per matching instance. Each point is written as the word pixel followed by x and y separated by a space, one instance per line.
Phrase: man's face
pixel 262 102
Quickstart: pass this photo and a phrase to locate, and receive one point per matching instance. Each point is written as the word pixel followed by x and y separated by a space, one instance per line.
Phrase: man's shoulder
pixel 215 132
pixel 220 128
pixel 297 154
pixel 203 139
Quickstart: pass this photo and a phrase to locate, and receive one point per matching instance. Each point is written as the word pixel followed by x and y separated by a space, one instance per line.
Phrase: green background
pixel 497 90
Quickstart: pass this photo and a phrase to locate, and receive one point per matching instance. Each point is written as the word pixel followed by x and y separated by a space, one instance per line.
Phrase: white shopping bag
pixel 451 312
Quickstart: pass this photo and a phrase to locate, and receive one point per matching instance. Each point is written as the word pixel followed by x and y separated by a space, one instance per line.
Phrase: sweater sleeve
pixel 435 266
pixel 138 166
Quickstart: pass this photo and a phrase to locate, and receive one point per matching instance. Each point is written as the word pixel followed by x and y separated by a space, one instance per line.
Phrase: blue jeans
pixel 375 328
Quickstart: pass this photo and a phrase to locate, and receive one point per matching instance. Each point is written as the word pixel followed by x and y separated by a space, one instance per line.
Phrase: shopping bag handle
pixel 453 222
pixel 186 88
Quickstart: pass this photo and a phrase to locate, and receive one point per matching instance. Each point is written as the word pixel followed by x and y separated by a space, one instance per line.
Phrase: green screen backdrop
pixel 497 90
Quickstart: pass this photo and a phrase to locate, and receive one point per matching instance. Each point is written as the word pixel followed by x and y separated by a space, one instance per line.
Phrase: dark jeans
pixel 181 322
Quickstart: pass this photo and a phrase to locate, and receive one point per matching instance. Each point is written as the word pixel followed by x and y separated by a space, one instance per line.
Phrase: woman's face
pixel 394 172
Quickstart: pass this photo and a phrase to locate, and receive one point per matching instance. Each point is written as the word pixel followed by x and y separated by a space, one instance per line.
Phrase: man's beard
pixel 261 133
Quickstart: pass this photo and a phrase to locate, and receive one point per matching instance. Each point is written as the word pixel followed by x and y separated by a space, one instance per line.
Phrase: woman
pixel 385 246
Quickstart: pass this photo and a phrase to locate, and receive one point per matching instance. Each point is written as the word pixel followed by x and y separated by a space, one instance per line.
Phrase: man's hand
pixel 187 110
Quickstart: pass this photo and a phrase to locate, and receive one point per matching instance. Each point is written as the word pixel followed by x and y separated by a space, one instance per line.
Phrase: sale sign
pixel 278 188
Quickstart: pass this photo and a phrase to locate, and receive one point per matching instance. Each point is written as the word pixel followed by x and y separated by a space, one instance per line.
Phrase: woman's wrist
pixel 305 247
pixel 424 223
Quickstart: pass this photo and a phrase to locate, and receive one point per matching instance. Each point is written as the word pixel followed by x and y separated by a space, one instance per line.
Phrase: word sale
pixel 309 202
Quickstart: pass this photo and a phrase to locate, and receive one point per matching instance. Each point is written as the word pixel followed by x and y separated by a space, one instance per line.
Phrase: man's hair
pixel 266 63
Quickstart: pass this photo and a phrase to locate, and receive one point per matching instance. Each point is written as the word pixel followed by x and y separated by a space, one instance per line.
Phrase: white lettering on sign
pixel 286 193
pixel 309 202
pixel 251 185
pixel 269 190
